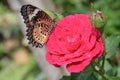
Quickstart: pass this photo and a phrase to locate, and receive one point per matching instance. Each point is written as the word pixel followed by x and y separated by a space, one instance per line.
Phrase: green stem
pixel 100 71
pixel 103 61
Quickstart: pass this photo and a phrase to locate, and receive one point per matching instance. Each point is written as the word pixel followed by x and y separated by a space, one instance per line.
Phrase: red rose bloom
pixel 74 42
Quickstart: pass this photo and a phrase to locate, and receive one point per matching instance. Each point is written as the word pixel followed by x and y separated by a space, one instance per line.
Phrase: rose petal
pixel 78 66
pixel 74 42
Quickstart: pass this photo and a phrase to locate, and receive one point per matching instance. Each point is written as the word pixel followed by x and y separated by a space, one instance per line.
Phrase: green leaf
pixel 118 71
pixel 111 45
pixel 107 66
pixel 87 76
pixel 74 76
pixel 115 78
pixel 80 76
pixel 54 15
pixel 58 16
pixel 65 78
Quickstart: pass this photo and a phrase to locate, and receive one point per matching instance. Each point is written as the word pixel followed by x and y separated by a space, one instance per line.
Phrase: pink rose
pixel 74 42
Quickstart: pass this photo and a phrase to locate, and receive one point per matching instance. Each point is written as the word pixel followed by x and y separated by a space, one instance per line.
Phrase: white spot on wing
pixel 34 13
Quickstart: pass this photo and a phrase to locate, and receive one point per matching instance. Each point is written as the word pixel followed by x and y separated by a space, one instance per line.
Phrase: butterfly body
pixel 39 25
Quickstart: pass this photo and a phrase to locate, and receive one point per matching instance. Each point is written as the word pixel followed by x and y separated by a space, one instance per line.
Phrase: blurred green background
pixel 16 59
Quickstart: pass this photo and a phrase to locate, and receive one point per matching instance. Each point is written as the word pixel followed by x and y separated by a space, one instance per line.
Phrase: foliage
pixel 112 44
pixel 19 72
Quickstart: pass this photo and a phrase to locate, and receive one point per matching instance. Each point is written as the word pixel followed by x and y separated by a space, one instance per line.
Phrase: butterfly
pixel 39 25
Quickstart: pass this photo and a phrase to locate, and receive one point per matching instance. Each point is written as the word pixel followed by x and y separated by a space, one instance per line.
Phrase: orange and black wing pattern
pixel 39 25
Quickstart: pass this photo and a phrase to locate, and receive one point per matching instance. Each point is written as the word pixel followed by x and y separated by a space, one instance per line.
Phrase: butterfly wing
pixel 39 25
